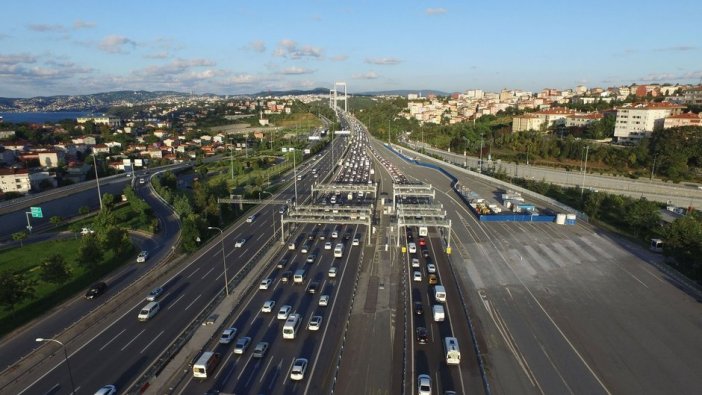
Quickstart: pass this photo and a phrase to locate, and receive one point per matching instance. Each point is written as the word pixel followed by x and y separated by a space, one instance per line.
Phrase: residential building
pixel 7 134
pixel 580 120
pixel 687 119
pixel 101 149
pixel 635 122
pixel 14 180
pixel 541 119
pixel 100 120
pixel 51 158
pixel 693 95
pixel 522 123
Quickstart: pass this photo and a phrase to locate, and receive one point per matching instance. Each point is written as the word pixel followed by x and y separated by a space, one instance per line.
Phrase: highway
pixel 568 309
pixel 115 348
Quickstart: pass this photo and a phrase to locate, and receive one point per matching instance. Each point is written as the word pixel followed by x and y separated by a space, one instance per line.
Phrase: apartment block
pixel 14 180
pixel 635 122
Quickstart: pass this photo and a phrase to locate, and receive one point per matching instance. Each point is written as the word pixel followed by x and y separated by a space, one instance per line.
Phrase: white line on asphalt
pixel 147 346
pixel 261 235
pixel 174 302
pixel 208 272
pixel 194 271
pixel 111 340
pixel 131 341
pixel 263 374
pixel 191 303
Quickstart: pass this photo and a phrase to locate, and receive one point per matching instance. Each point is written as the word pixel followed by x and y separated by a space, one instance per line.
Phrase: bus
pixel 453 353
pixel 206 364
pixel 339 250
pixel 290 326
pixel 423 231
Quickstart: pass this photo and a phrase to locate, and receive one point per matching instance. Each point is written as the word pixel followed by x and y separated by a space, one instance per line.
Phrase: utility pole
pixel 295 175
pixel 653 168
pixel 231 160
pixel 582 188
pixel 97 180
pixel 481 153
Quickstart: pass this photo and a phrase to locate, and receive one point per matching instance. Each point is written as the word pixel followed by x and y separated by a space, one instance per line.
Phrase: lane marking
pixel 174 302
pixel 191 303
pixel 131 341
pixel 154 339
pixel 111 340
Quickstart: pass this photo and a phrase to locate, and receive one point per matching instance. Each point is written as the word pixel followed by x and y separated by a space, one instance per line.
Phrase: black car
pixel 422 335
pixel 418 308
pixel 312 287
pixel 347 236
pixel 285 277
pixel 425 253
pixel 282 263
pixel 96 290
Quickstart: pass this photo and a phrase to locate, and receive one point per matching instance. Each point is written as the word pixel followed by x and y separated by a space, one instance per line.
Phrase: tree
pixel 20 236
pixel 56 220
pixel 683 241
pixel 117 240
pixel 15 288
pixel 83 210
pixel 55 270
pixel 642 217
pixel 108 201
pixel 90 252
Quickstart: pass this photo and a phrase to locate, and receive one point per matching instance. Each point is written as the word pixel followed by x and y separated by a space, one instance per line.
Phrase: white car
pixel 143 256
pixel 328 245
pixel 284 312
pixel 356 241
pixel 240 243
pixel 268 306
pixel 241 345
pixel 315 323
pixel 107 390
pixel 251 218
pixel 265 283
pixel 415 262
pixel 154 294
pixel 424 384
pixel 417 276
pixel 227 335
pixel 324 300
pixel 431 268
pixel 297 372
pixel 332 272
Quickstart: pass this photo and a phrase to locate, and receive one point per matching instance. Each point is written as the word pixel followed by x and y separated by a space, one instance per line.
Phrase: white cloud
pixel 289 49
pixel 44 27
pixel 435 11
pixel 672 77
pixel 256 46
pixel 383 61
pixel 116 44
pixel 370 75
pixel 296 70
pixel 16 59
pixel 80 24
pixel 338 58
pixel 158 55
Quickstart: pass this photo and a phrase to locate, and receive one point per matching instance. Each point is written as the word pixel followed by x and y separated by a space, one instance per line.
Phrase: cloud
pixel 370 75
pixel 435 11
pixel 42 27
pixel 670 77
pixel 290 49
pixel 80 24
pixel 296 70
pixel 17 59
pixel 383 61
pixel 679 48
pixel 26 69
pixel 116 44
pixel 158 55
pixel 178 66
pixel 256 46
pixel 338 58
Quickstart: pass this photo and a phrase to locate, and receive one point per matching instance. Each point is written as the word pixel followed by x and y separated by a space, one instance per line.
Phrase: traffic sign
pixel 36 212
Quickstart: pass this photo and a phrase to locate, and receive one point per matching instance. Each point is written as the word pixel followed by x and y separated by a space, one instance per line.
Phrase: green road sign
pixel 36 212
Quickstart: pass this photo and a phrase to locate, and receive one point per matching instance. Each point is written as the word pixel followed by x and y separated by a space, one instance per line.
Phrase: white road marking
pixel 208 272
pixel 111 340
pixel 154 339
pixel 131 341
pixel 174 302
pixel 191 303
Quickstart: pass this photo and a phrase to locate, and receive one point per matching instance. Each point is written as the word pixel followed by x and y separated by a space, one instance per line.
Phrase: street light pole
pixel 231 160
pixel 481 153
pixel 97 180
pixel 295 176
pixel 224 258
pixel 582 188
pixel 65 355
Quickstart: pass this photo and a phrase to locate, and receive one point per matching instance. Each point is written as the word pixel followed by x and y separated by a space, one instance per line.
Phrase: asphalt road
pixel 570 309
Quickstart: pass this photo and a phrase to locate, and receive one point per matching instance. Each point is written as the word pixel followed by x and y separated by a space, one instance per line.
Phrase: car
pixel 422 242
pixel 260 350
pixel 324 300
pixel 431 268
pixel 356 241
pixel 332 272
pixel 297 372
pixel 347 236
pixel 211 319
pixel 107 390
pixel 425 253
pixel 315 323
pixel 305 249
pixel 141 181
pixel 285 277
pixel 312 288
pixel 417 276
pixel 86 231
pixel 328 245
pixel 227 336
pixel 154 294
pixel 424 384
pixel 284 312
pixel 311 258
pixel 282 209
pixel 143 256
pixel 240 243
pixel 282 263
pixel 432 279
pixel 415 262
pixel 96 290
pixel 265 283
pixel 422 335
pixel 241 345
pixel 268 306
pixel 251 218
pixel 418 308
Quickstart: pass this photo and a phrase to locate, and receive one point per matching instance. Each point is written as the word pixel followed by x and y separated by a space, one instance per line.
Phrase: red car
pixel 422 242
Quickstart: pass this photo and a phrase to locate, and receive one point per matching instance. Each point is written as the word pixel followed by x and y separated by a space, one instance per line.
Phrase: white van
pixel 299 276
pixel 440 293
pixel 439 314
pixel 149 311
pixel 206 364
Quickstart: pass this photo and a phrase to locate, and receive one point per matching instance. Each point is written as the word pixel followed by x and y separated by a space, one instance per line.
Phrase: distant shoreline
pixel 41 116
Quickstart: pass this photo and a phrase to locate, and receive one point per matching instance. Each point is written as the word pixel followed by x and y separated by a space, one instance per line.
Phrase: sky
pixel 238 47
